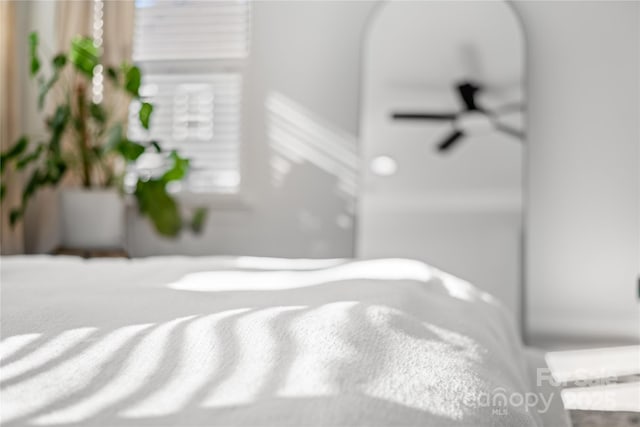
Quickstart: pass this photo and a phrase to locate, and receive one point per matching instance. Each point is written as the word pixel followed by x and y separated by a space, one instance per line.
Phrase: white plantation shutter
pixel 191 29
pixel 192 54
pixel 198 115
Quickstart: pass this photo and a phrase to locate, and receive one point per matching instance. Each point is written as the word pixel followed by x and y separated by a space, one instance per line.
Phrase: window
pixel 193 55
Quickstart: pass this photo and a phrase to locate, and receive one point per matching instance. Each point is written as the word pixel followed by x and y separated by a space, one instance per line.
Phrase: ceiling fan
pixel 472 119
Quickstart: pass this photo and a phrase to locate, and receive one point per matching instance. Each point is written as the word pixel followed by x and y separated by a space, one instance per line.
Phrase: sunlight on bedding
pixel 141 364
pixel 11 345
pixel 367 334
pixel 210 361
pixel 391 269
pixel 66 379
pixel 199 359
pixel 388 269
pixel 46 353
pixel 252 372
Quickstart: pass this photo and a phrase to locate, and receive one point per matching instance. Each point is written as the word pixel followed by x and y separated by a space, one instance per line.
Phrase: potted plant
pixel 87 141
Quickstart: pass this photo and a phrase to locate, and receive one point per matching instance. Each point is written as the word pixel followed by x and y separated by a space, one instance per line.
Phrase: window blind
pixel 192 55
pixel 198 115
pixel 195 29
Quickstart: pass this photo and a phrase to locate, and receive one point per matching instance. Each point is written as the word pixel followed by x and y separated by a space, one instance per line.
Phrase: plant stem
pixel 83 136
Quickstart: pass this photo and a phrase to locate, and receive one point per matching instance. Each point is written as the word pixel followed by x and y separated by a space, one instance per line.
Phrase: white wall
pixel 584 121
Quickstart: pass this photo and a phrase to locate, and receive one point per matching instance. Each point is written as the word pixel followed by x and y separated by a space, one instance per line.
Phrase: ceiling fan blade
pixel 423 116
pixel 513 132
pixel 447 143
pixel 467 91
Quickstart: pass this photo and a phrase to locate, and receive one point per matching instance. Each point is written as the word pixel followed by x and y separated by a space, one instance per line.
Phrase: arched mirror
pixel 443 140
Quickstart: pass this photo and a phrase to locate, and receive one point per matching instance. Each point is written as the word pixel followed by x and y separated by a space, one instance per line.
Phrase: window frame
pixel 237 199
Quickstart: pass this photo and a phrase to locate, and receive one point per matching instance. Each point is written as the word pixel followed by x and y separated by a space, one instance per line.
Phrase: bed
pixel 239 341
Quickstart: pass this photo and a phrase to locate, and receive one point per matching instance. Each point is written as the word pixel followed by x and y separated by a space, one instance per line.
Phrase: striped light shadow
pixel 254 368
pixel 140 365
pixel 198 361
pixel 68 378
pixel 15 343
pixel 51 350
pixel 298 136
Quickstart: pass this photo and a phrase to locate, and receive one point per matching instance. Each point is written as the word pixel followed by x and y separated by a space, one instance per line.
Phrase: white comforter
pixel 250 341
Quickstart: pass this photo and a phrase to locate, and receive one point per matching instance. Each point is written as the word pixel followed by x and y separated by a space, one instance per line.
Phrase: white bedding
pixel 250 341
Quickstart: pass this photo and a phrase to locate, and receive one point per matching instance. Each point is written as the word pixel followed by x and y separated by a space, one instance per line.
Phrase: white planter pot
pixel 92 219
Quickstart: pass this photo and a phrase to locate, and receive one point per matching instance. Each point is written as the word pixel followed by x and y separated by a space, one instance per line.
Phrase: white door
pixel 445 186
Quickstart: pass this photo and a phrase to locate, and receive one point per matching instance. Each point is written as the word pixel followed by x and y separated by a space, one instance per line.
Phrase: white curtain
pixel 11 239
pixel 117 45
pixel 73 17
pixel 118 31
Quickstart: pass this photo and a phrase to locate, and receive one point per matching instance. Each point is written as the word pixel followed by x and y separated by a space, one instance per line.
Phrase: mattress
pixel 240 341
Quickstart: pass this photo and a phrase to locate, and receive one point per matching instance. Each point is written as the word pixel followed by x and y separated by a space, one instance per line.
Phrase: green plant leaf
pixel 159 206
pixel 198 219
pixel 112 74
pixel 33 50
pixel 35 181
pixel 97 151
pixel 59 61
pixel 60 117
pixel 98 112
pixel 45 87
pixel 17 149
pixel 179 168
pixel 56 168
pixel 29 158
pixel 3 191
pixel 114 136
pixel 57 124
pixel 145 114
pixel 35 66
pixel 14 216
pixel 84 55
pixel 132 80
pixel 130 150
